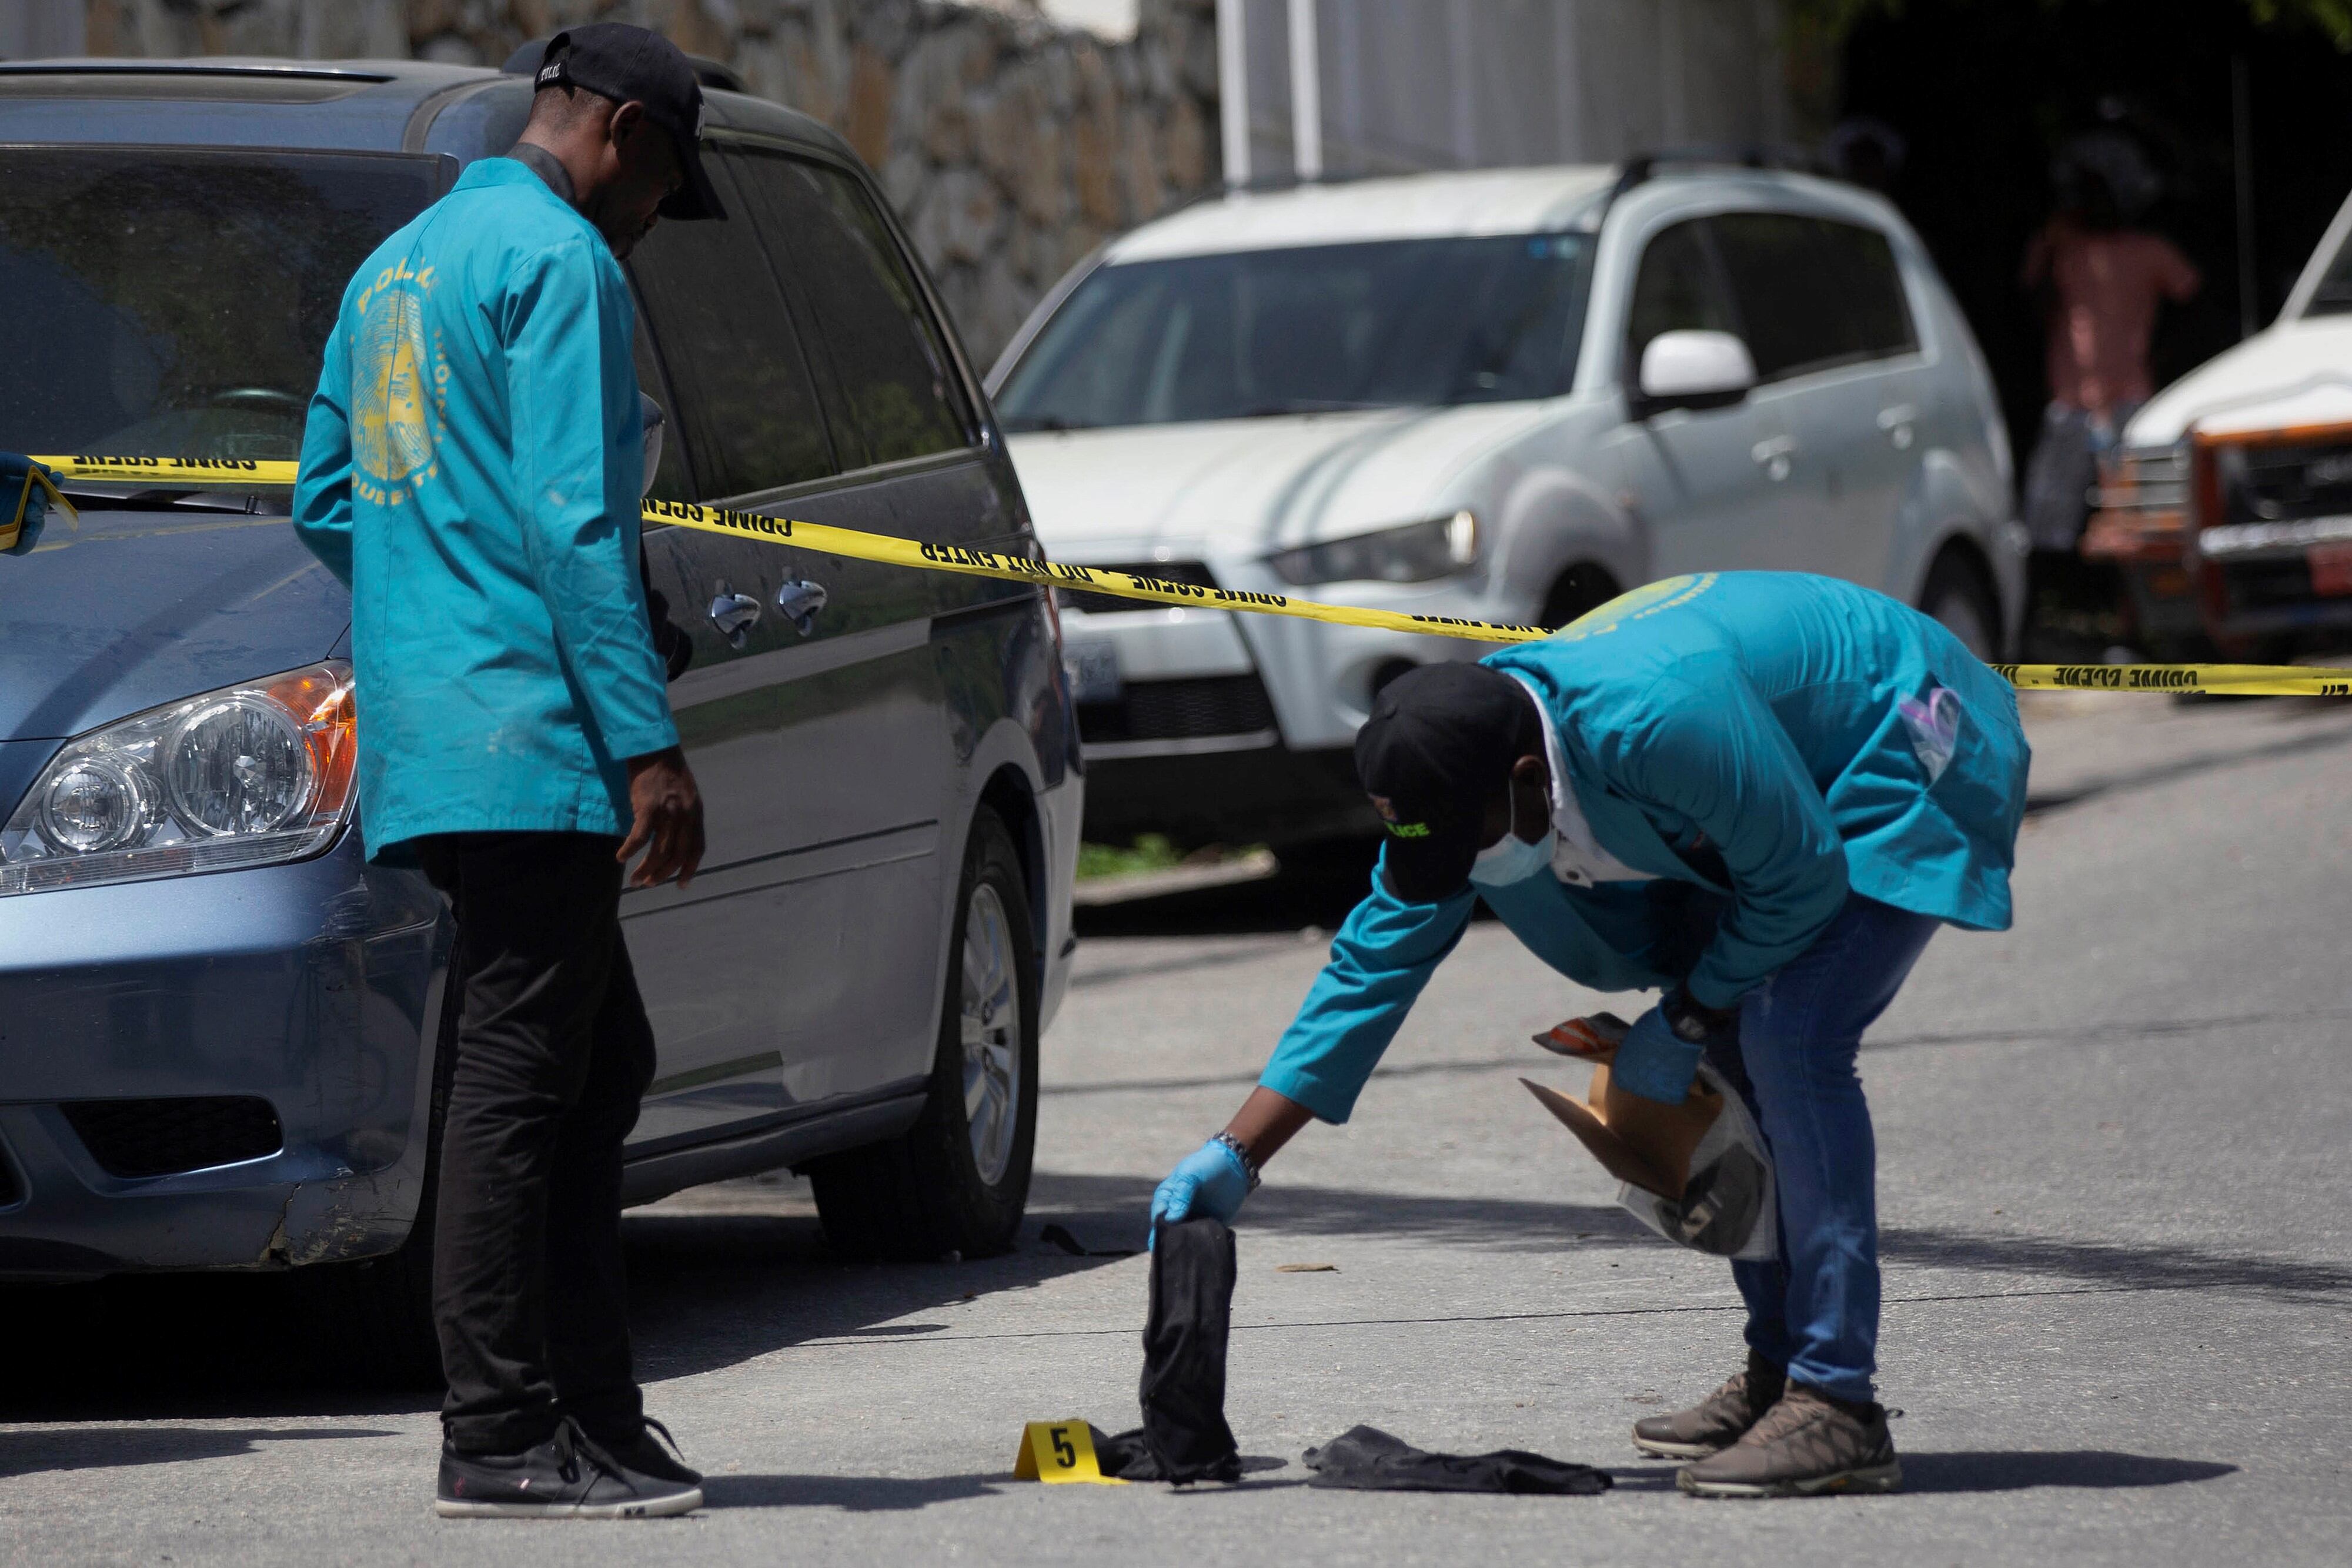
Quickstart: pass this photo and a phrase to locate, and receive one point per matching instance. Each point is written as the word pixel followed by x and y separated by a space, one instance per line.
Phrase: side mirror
pixel 1692 369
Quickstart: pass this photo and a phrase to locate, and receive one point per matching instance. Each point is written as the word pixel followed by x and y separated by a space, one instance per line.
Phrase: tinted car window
pixel 1812 292
pixel 896 384
pixel 1307 330
pixel 1677 289
pixel 749 414
pixel 176 301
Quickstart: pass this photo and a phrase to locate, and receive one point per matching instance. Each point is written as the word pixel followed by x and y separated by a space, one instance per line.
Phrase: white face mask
pixel 1511 858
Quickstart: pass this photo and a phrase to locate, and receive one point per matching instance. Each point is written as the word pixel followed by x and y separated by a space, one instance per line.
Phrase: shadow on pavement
pixel 2117 1263
pixel 851 1494
pixel 109 1448
pixel 2018 1472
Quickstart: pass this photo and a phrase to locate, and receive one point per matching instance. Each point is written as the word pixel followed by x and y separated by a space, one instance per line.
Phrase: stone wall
pixel 1010 146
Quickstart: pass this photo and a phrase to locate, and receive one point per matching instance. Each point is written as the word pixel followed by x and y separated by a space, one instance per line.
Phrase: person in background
pixel 472 469
pixel 2100 280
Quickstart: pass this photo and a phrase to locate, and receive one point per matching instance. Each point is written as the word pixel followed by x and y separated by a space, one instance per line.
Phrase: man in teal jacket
pixel 1757 792
pixel 472 469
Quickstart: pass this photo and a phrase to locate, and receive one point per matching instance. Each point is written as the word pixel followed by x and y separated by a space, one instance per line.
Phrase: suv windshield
pixel 174 302
pixel 1372 324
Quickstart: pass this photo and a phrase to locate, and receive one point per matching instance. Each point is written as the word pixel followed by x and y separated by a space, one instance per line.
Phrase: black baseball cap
pixel 1441 739
pixel 628 63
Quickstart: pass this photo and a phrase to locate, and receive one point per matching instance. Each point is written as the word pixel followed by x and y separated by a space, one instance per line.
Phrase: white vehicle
pixel 1507 395
pixel 2229 505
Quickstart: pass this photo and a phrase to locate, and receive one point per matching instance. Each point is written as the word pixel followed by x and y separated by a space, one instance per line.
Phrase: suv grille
pixel 1196 708
pixel 1192 571
pixel 160 1137
pixel 2286 482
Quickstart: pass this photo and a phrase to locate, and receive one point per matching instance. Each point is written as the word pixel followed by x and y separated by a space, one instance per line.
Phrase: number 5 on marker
pixel 1059 1451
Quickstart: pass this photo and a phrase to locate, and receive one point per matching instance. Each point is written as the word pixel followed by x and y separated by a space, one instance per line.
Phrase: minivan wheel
pixel 1957 600
pixel 957 1180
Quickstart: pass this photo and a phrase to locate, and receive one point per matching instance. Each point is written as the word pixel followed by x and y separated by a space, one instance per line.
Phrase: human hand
pixel 1653 1061
pixel 1210 1180
pixel 669 825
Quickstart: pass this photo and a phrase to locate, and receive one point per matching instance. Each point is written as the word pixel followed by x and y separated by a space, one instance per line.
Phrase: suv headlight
pixel 1417 553
pixel 249 775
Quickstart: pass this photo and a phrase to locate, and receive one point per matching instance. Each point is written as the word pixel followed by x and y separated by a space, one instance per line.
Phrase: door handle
pixel 1896 423
pixel 801 602
pixel 734 614
pixel 1776 456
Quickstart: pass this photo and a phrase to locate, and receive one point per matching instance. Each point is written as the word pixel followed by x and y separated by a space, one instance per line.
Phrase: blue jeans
pixel 1814 1310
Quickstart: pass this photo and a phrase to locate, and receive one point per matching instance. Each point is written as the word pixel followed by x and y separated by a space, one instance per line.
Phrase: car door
pixel 1821 304
pixel 1711 485
pixel 882 733
pixel 813 739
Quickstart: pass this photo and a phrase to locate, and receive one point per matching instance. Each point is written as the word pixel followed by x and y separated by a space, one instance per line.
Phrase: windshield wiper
pixel 1303 405
pixel 1023 424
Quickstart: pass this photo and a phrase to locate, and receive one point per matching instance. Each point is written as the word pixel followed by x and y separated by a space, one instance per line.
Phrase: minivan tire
pixel 1956 599
pixel 937 1188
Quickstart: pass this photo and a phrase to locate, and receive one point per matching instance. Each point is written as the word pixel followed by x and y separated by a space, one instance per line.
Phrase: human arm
pixel 323 485
pixel 577 437
pixel 666 808
pixel 1380 961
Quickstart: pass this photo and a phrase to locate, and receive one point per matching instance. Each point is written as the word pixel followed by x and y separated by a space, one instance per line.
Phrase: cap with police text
pixel 627 64
pixel 1440 740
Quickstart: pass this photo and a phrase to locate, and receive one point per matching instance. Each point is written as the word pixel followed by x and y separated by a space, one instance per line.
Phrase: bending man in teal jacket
pixel 472 469
pixel 1759 793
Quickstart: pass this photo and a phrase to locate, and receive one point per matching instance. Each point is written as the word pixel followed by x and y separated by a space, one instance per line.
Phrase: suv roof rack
pixel 135 67
pixel 1644 167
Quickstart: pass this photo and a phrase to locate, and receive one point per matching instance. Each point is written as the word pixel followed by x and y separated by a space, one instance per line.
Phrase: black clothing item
pixel 1439 742
pixel 1365 1458
pixel 671 641
pixel 660 1458
pixel 553 1054
pixel 1192 1274
pixel 567 1477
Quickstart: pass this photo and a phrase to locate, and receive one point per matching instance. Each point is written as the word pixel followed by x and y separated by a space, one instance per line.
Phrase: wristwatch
pixel 1249 1166
pixel 1693 1023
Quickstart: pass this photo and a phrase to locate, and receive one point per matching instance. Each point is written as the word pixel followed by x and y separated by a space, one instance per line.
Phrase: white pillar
pixel 1306 93
pixel 1232 89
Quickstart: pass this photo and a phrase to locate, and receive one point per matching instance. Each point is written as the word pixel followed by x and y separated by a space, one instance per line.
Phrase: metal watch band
pixel 1249 1166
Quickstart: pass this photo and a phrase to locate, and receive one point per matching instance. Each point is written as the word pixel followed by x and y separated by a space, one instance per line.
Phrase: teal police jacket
pixel 1776 739
pixel 471 470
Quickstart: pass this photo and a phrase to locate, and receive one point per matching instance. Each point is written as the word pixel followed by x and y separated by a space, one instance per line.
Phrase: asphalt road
pixel 2118 1240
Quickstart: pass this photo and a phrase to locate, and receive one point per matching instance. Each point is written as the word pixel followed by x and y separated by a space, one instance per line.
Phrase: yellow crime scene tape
pixel 2232 680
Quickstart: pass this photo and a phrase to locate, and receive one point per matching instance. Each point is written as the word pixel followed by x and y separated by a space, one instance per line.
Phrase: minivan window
pixel 176 301
pixel 1676 289
pixel 748 411
pixel 1812 292
pixel 1374 324
pixel 895 376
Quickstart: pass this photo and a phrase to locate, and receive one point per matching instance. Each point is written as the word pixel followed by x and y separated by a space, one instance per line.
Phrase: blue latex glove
pixel 1210 1180
pixel 1653 1061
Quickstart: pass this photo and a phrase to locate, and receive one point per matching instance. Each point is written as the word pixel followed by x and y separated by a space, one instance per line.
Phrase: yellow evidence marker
pixel 1059 1451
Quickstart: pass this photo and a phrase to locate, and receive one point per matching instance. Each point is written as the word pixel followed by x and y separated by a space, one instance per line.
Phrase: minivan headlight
pixel 1417 553
pixel 250 775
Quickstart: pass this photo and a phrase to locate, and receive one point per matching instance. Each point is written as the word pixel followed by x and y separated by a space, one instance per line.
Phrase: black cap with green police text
pixel 1439 744
pixel 626 63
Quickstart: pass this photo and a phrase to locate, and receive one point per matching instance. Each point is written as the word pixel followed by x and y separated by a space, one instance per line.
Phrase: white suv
pixel 1508 395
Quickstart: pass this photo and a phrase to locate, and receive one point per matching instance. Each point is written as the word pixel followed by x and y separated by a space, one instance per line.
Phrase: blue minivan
pixel 222 1031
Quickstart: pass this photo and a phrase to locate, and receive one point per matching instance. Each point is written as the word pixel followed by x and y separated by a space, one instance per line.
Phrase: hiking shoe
pixel 567 1477
pixel 641 1453
pixel 1806 1445
pixel 1715 1422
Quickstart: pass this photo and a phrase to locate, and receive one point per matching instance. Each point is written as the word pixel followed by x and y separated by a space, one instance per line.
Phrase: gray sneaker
pixel 567 1477
pixel 1806 1445
pixel 1715 1422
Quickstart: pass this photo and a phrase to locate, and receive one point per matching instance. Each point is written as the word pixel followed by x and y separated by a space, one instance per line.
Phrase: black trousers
pixel 553 1055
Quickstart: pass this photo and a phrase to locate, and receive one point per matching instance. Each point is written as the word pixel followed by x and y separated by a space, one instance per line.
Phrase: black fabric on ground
pixel 1185 1431
pixel 1365 1458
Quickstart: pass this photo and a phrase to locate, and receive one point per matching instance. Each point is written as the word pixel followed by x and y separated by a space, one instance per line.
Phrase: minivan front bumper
pixel 141 1008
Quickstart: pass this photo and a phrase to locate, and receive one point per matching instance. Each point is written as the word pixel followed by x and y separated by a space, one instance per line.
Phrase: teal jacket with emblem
pixel 1777 739
pixel 471 470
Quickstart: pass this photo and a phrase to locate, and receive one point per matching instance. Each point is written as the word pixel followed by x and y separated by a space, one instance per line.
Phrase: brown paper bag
pixel 1636 1140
